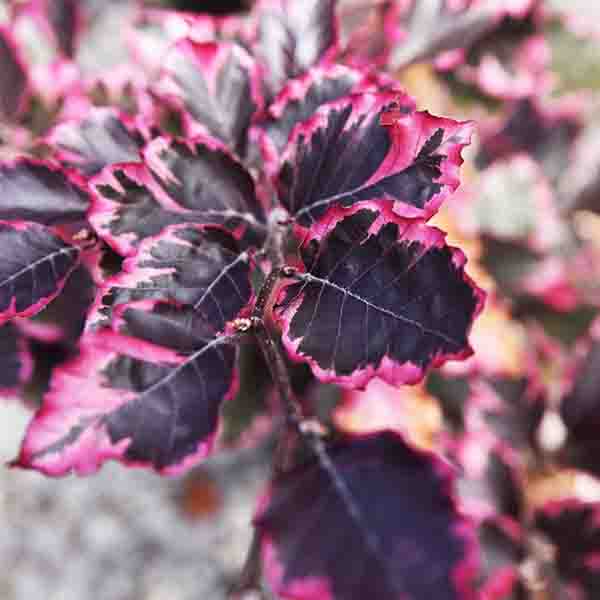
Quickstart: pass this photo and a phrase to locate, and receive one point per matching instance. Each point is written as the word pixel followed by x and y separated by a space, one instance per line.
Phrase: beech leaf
pixel 216 86
pixel 178 183
pixel 131 400
pixel 373 518
pixel 371 147
pixel 195 267
pixel 378 296
pixel 34 269
pixel 292 37
pixel 35 191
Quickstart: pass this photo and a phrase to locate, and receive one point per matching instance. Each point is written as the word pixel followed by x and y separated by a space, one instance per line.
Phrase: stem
pixel 296 425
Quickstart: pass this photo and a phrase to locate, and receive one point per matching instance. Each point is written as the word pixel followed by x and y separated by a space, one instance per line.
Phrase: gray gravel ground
pixel 118 535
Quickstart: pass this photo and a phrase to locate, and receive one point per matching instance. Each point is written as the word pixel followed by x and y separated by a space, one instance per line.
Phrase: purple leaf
pixel 571 526
pixel 15 360
pixel 378 296
pixel 35 191
pixel 14 83
pixel 216 85
pixel 127 399
pixel 181 182
pixel 191 266
pixel 371 147
pixel 100 138
pixel 580 406
pixel 64 319
pixel 429 28
pixel 546 131
pixel 301 98
pixel 34 268
pixel 292 37
pixel 373 519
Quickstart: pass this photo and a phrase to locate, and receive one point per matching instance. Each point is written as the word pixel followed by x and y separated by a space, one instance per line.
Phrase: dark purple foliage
pixel 241 186
pixel 326 530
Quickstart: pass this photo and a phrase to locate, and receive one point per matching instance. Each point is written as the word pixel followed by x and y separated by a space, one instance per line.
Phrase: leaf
pixel 216 84
pixel 15 360
pixel 545 130
pixel 371 147
pixel 100 138
pixel 138 402
pixel 66 315
pixel 14 84
pixel 302 96
pixel 35 191
pixel 378 296
pixel 571 525
pixel 292 37
pixel 374 518
pixel 431 27
pixel 179 183
pixel 579 406
pixel 34 268
pixel 191 266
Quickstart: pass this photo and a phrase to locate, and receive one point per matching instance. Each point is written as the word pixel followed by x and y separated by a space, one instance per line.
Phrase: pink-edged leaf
pixel 302 96
pixel 292 37
pixel 156 30
pixel 35 191
pixel 580 406
pixel 15 360
pixel 503 550
pixel 572 527
pixel 374 519
pixel 131 400
pixel 34 267
pixel 100 138
pixel 545 131
pixel 378 296
pixel 429 29
pixel 14 82
pixel 198 268
pixel 216 85
pixel 371 147
pixel 508 63
pixel 181 182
